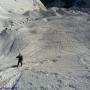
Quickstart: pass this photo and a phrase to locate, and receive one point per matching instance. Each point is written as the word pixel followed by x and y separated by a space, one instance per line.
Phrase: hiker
pixel 20 59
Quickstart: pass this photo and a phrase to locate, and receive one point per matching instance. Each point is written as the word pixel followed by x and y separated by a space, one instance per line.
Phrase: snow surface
pixel 56 51
pixel 20 6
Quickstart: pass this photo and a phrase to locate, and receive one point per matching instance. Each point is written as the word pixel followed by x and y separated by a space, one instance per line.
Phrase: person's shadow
pixel 5 68
pixel 13 66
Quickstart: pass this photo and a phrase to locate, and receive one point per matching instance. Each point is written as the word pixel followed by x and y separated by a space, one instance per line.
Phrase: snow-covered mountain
pixel 56 51
pixel 20 6
pixel 55 45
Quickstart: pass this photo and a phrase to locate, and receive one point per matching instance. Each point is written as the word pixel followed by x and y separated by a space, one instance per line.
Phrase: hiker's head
pixel 20 54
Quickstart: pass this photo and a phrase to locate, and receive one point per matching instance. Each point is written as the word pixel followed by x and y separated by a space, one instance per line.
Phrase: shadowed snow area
pixel 56 51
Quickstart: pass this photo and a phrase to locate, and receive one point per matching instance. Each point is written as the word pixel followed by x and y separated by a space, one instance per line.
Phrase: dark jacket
pixel 20 57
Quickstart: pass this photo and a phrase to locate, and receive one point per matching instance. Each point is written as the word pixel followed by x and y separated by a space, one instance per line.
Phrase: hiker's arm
pixel 17 57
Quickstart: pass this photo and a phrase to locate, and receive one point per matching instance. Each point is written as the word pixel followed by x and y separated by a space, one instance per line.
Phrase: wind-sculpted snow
pixel 55 50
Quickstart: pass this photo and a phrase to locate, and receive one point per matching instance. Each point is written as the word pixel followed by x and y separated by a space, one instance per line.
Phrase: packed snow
pixel 55 45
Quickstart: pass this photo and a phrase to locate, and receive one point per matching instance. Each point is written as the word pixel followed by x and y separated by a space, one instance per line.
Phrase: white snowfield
pixel 20 6
pixel 56 52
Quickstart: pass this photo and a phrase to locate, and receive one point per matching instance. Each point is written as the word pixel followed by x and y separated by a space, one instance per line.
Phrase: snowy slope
pixel 20 6
pixel 56 52
pixel 3 13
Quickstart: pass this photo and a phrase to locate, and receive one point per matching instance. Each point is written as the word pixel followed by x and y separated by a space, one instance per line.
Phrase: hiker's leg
pixel 21 63
pixel 18 64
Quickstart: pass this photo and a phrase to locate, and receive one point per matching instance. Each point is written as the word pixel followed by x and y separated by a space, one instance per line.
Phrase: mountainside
pixel 20 6
pixel 54 43
pixel 56 51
